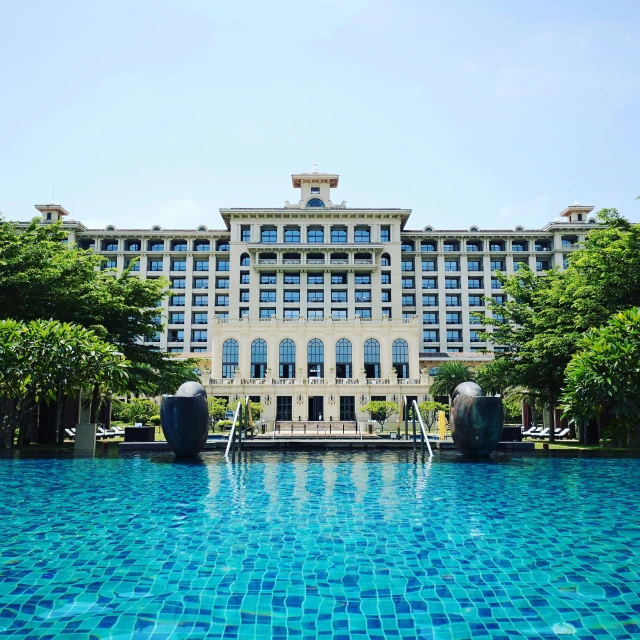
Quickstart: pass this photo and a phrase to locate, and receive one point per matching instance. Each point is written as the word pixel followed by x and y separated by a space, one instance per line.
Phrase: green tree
pixel 495 377
pixel 139 410
pixel 46 360
pixel 429 412
pixel 381 410
pixel 448 376
pixel 217 410
pixel 256 409
pixel 605 372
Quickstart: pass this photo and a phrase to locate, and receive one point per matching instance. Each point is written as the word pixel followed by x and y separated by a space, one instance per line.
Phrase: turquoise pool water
pixel 320 545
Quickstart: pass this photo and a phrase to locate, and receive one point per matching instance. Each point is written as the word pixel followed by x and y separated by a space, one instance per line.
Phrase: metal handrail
pixel 232 433
pixel 242 410
pixel 416 412
pixel 424 431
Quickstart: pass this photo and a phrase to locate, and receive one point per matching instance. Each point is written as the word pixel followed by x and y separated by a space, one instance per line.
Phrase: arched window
pixel 258 358
pixel 344 367
pixel 315 202
pixel 245 260
pixel 372 358
pixel 287 358
pixel 229 358
pixel 315 358
pixel 400 356
pixel 385 260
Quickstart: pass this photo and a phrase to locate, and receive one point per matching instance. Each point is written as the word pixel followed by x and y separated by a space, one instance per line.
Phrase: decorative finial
pixel 53 193
pixel 315 161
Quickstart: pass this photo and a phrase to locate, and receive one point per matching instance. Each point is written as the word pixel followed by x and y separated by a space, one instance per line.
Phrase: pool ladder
pixel 415 414
pixel 241 424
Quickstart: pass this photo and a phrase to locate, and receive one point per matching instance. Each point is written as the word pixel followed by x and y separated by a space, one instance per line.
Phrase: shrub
pixel 139 410
pixel 155 420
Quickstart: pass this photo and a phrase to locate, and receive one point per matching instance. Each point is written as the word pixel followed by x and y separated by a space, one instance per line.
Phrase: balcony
pixel 313 381
pixel 253 381
pixel 408 380
pixel 378 381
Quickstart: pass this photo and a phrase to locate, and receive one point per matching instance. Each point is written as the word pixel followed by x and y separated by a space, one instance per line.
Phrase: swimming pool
pixel 331 544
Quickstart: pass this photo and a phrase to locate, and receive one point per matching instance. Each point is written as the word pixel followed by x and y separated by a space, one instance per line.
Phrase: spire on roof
pixel 315 161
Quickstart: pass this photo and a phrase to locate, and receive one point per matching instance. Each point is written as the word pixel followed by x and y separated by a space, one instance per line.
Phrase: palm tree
pixel 448 377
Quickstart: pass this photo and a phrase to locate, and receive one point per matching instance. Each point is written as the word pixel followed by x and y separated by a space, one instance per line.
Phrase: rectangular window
pixel 454 317
pixel 176 335
pixel 496 265
pixel 244 295
pixel 454 335
pixel 362 278
pixel 519 246
pixel 407 265
pixel 519 263
pixel 362 234
pixel 429 283
pixel 475 318
pixel 178 283
pixel 201 245
pixel 429 245
pixel 155 265
pixel 452 283
pixel 495 283
pixel 542 265
pixel 221 300
pixel 243 312
pixel 431 349
pixel 476 336
pixel 175 350
pixel 202 300
pixel 292 314
pixel 315 235
pixel 315 191
pixel 430 335
pixel 499 299
pixel 284 408
pixel 474 283
pixel 338 296
pixel 385 233
pixel 429 265
pixel 245 233
pixel 429 301
pixel 179 265
pixel 198 349
pixel 267 296
pixel 135 266
pixel 454 349
pixel 450 245
pixel 292 278
pixel 339 314
pixel 268 234
pixel 362 295
pixel 176 317
pixel 348 408
pixel 315 296
pixel 496 246
pixel 222 264
pixel 385 277
pixel 565 262
pixel 267 312
pixel 292 236
pixel 386 312
pixel 222 283
pixel 292 296
pixel 201 265
pixel 201 283
pixel 408 300
pixel 363 312
pixel 244 277
pixel 199 335
pixel 313 278
pixel 451 265
pixel 408 283
pixel 338 235
pixel 338 278
pixel 156 245
pixel 315 314
pixel 386 295
pixel 474 265
pixel 268 278
pixel 473 246
pixel 199 318
pixel 476 301
pixel 176 301
pixel 430 318
pixel 452 301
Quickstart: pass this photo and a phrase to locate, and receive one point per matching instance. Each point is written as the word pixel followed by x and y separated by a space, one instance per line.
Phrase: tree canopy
pixel 448 376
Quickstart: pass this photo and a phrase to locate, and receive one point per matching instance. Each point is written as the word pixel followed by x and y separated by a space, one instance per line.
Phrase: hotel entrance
pixel 316 408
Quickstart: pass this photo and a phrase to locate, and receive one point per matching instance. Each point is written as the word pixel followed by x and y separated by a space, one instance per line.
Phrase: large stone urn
pixel 476 420
pixel 185 419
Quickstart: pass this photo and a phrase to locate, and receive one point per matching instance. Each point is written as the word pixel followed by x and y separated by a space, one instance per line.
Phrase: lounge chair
pixel 562 433
pixel 542 434
pixel 532 431
pixel 118 431
pixel 70 434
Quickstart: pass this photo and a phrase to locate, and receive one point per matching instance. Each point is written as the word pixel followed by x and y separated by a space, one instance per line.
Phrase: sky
pixel 492 113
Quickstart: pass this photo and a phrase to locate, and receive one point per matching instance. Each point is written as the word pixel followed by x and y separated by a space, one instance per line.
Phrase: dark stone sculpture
pixel 475 420
pixel 185 419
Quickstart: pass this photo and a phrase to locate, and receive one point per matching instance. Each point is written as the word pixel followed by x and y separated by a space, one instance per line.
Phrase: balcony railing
pixel 265 261
pixel 408 380
pixel 313 381
pixel 254 381
pixel 284 381
pixel 347 381
pixel 378 381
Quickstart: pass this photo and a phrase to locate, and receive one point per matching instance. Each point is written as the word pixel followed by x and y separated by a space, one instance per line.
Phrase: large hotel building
pixel 316 308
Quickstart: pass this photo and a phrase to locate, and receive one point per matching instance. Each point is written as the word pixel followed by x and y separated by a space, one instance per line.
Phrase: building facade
pixel 315 308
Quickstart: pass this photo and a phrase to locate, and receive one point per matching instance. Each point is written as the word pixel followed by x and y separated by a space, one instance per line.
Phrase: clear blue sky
pixel 470 111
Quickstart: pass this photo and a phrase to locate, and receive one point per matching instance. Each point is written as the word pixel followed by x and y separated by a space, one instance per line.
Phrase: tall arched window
pixel 258 358
pixel 372 358
pixel 400 355
pixel 287 358
pixel 385 260
pixel 229 358
pixel 343 359
pixel 315 358
pixel 245 260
